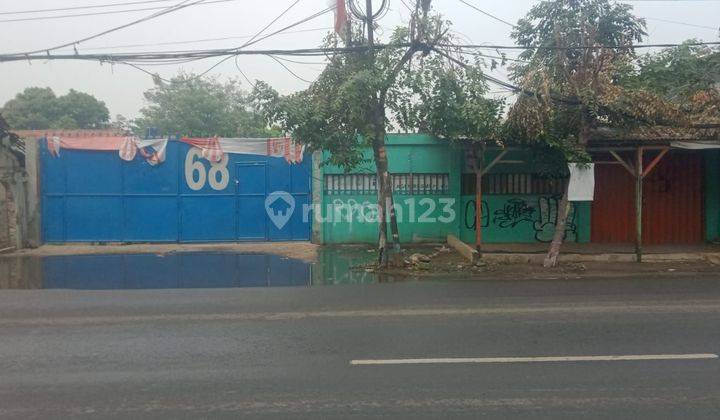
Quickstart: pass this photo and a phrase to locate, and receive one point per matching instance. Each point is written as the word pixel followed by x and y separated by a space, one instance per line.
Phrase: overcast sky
pixel 121 87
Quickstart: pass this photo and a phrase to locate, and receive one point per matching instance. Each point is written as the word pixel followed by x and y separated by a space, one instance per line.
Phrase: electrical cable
pixel 163 55
pixel 255 40
pixel 109 12
pixel 490 15
pixel 196 41
pixel 243 73
pixel 289 70
pixel 95 6
pixel 183 4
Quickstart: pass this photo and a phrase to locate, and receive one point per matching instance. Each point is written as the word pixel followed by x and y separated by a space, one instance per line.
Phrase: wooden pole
pixel 478 200
pixel 639 204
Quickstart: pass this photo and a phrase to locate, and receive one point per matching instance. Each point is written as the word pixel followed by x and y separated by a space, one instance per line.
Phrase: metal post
pixel 478 200
pixel 638 204
pixel 369 17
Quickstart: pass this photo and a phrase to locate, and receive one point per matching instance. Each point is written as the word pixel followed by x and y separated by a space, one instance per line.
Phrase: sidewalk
pixel 505 253
pixel 571 252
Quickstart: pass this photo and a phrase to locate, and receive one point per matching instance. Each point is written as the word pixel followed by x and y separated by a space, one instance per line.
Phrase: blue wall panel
pixel 208 218
pixel 94 219
pixel 91 196
pixel 151 219
pixel 92 172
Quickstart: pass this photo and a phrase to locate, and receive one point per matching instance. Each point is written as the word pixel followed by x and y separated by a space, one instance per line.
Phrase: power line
pixel 255 41
pixel 692 25
pixel 252 39
pixel 207 53
pixel 303 62
pixel 237 66
pixel 197 41
pixel 183 4
pixel 288 69
pixel 490 15
pixel 95 6
pixel 271 23
pixel 580 48
pixel 110 12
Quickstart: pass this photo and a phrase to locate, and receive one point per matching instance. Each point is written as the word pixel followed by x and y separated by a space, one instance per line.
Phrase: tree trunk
pixel 384 196
pixel 551 260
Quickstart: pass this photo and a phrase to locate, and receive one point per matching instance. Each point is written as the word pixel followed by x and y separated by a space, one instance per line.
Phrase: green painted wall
pixel 349 218
pixel 712 195
pixel 352 218
pixel 522 219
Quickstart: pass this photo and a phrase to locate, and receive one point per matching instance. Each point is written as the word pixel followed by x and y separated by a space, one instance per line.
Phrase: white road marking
pixel 494 360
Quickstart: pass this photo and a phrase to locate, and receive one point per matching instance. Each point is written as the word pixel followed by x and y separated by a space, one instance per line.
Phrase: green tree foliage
pixel 677 73
pixel 360 96
pixel 39 108
pixel 687 75
pixel 85 110
pixel 577 52
pixel 201 106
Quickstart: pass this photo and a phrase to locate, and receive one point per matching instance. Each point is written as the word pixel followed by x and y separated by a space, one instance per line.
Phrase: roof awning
pixel 695 145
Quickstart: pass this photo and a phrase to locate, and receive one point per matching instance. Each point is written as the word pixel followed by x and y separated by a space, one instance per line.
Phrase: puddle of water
pixel 337 266
pixel 151 271
pixel 189 270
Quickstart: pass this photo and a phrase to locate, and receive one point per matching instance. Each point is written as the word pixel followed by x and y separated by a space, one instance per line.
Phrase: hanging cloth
pixel 582 182
pixel 153 150
pixel 210 147
pixel 128 149
pixel 53 145
pixel 285 148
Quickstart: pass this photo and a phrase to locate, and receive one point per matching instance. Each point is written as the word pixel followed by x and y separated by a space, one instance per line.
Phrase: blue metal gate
pixel 93 196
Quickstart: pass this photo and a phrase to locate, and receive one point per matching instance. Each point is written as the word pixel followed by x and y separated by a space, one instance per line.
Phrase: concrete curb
pixel 711 257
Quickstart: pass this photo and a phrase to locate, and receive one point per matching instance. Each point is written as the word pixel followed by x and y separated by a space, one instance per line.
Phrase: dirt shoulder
pixel 441 263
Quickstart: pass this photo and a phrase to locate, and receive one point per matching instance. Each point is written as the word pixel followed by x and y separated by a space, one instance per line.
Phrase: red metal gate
pixel 672 202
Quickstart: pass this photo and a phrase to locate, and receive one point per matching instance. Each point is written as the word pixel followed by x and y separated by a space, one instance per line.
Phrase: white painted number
pixel 448 210
pixel 192 167
pixel 219 168
pixel 196 176
pixel 425 217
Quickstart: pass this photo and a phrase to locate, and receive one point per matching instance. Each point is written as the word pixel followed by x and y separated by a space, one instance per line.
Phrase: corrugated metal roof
pixel 37 134
pixel 654 134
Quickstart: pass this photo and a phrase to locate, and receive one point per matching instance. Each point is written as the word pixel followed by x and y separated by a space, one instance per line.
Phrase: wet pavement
pixel 189 270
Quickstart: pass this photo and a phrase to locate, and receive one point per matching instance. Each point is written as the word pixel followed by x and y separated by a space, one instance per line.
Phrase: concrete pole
pixel 318 194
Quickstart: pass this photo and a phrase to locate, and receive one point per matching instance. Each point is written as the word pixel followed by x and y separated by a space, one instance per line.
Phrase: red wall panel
pixel 672 202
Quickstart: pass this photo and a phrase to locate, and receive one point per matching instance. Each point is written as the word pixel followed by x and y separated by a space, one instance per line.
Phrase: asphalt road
pixel 287 353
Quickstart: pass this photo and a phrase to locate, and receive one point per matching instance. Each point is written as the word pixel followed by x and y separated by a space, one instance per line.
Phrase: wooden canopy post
pixel 479 164
pixel 640 174
pixel 638 204
pixel 480 170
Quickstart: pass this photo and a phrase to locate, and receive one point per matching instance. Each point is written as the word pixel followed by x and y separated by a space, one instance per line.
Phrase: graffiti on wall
pixel 541 214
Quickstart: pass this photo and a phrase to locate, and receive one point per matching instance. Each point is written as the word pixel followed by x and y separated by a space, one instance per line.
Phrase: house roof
pixel 654 135
pixel 37 134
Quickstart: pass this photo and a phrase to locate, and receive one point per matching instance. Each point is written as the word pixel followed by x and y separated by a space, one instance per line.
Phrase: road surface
pixel 621 348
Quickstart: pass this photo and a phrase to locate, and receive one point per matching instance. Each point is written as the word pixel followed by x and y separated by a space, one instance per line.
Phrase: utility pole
pixel 369 21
